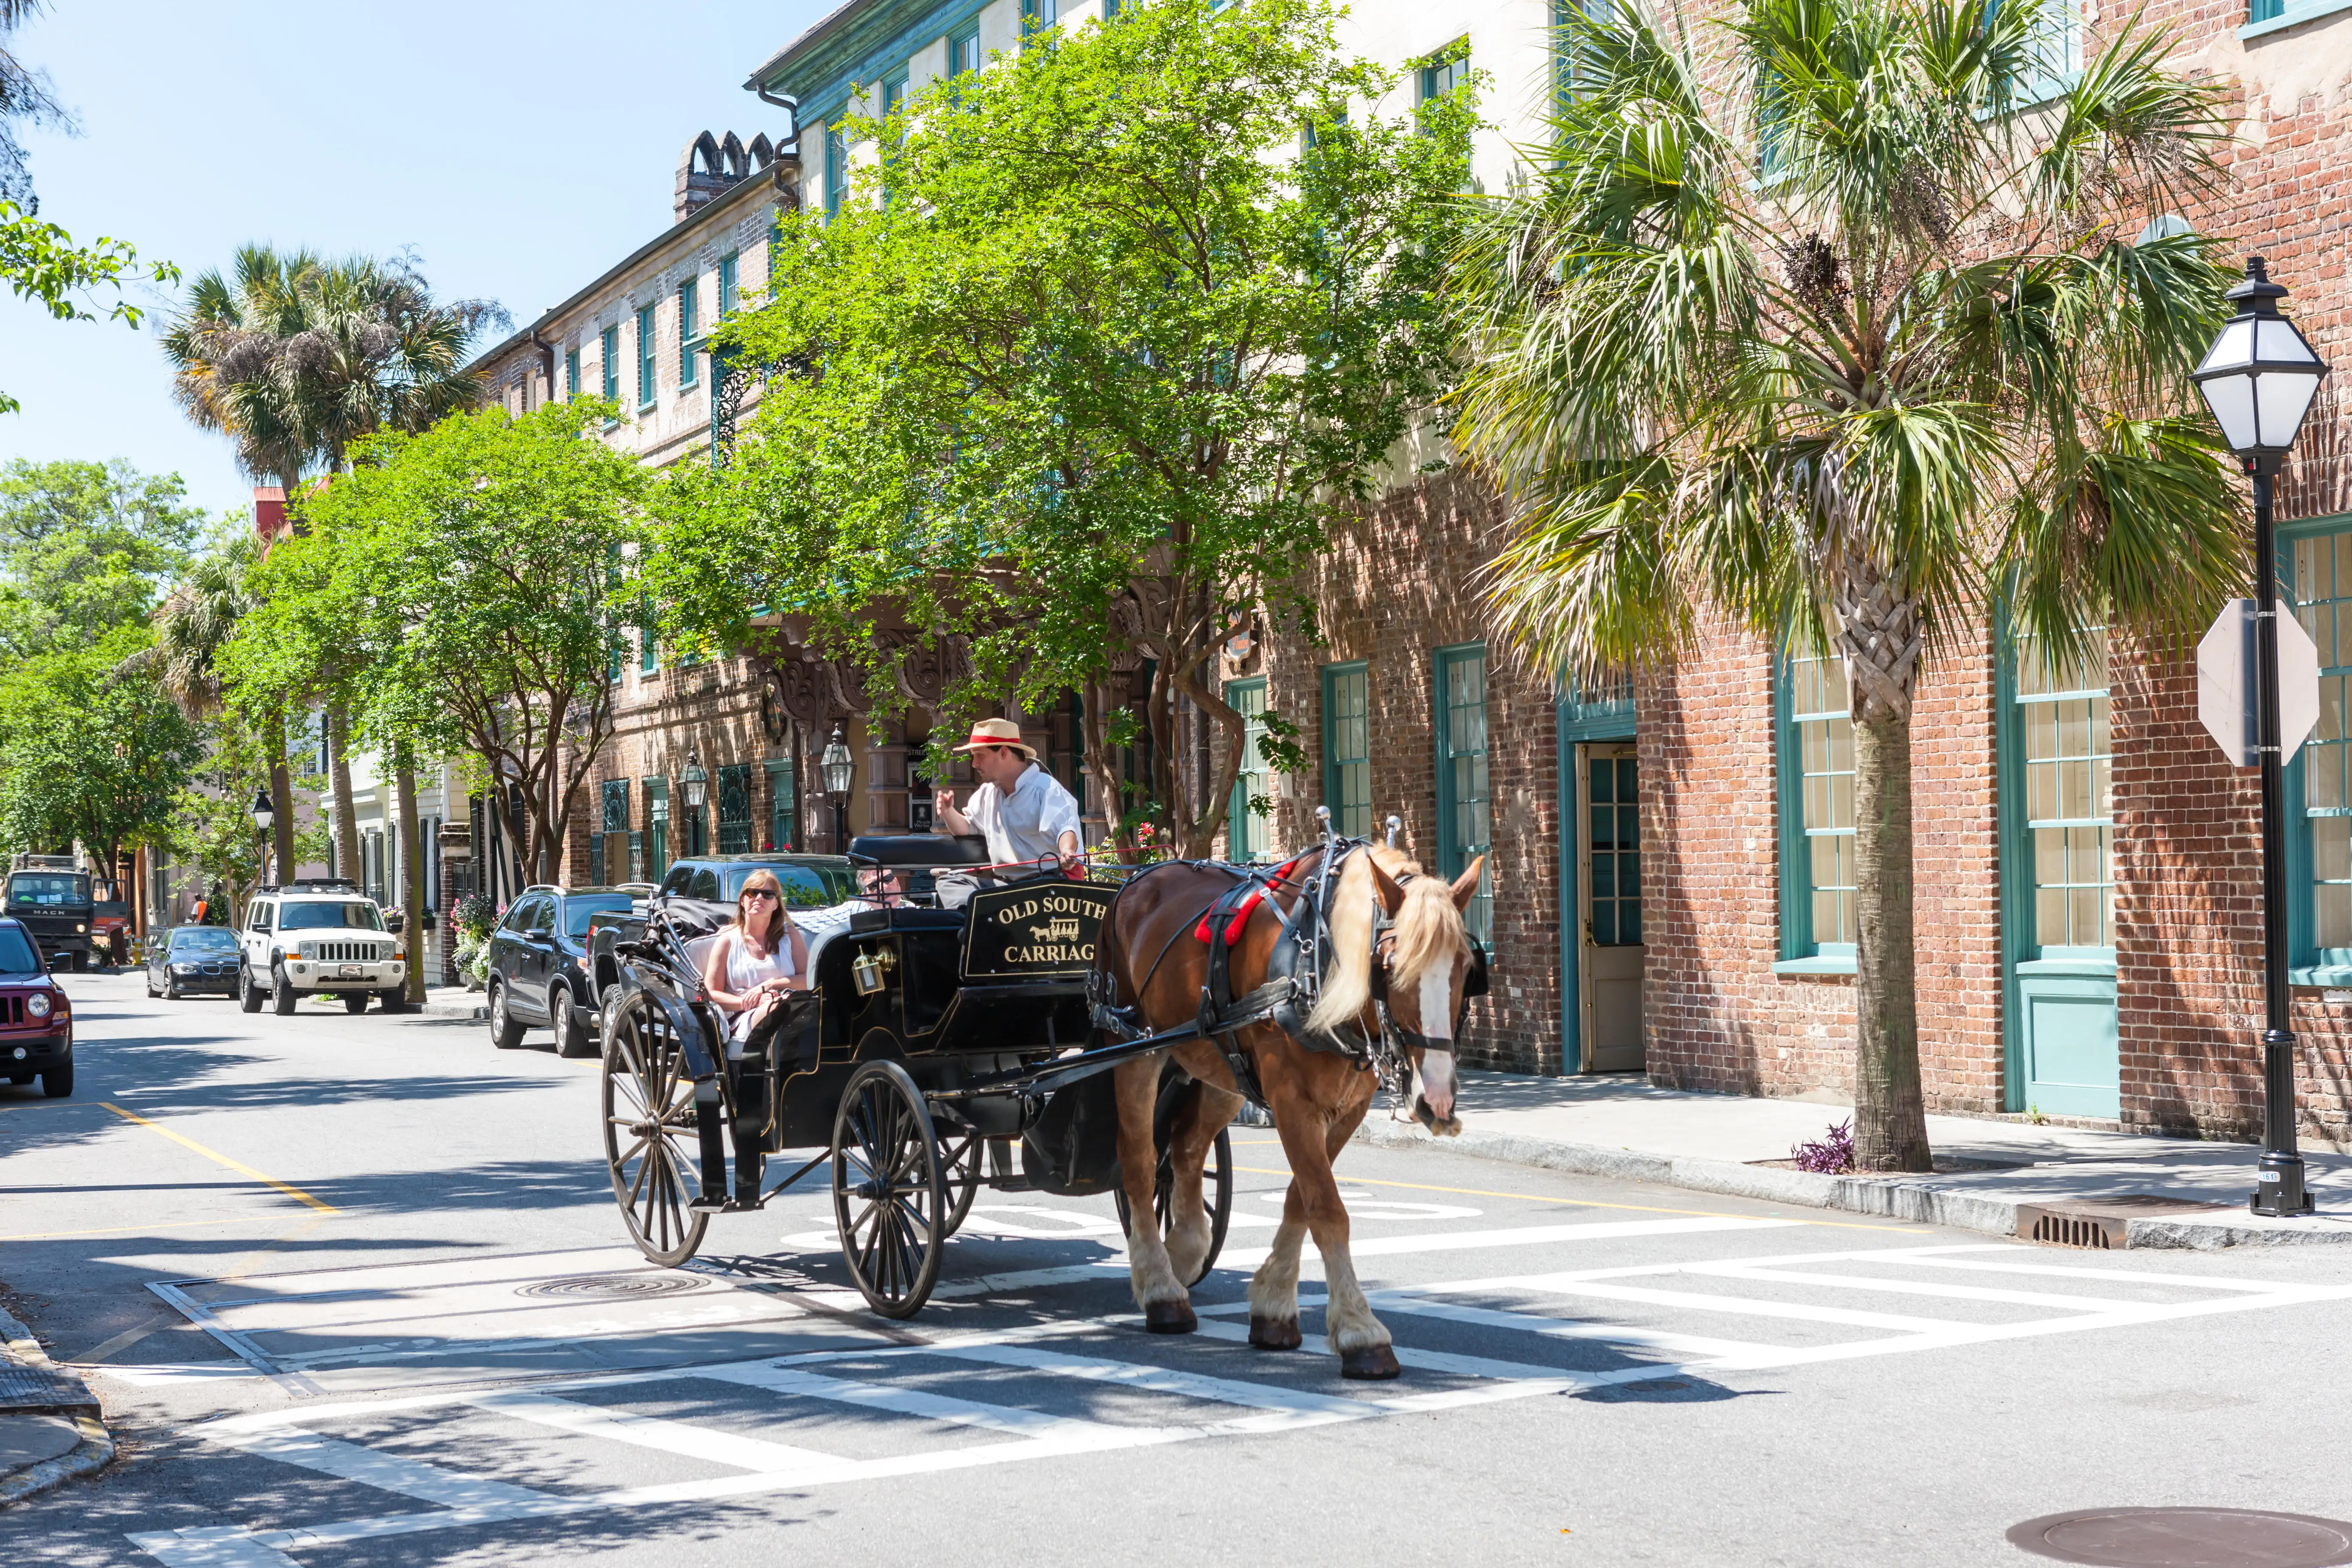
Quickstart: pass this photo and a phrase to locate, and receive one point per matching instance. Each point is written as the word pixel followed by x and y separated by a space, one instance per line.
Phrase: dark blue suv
pixel 535 965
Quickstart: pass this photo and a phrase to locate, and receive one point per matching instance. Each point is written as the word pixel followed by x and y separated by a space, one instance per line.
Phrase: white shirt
pixel 1027 824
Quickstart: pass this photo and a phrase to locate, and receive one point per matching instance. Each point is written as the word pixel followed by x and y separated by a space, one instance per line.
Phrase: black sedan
pixel 191 961
pixel 536 974
pixel 36 1020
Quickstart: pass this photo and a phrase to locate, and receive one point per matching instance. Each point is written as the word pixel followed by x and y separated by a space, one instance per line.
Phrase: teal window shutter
pixel 572 373
pixel 1037 16
pixel 1463 790
pixel 1348 748
pixel 612 364
pixel 657 828
pixel 727 265
pixel 783 818
pixel 649 639
pixel 645 357
pixel 1248 835
pixel 687 325
pixel 963 51
pixel 836 170
pixel 1815 785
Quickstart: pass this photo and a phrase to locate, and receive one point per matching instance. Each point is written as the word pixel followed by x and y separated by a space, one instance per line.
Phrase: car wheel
pixel 573 1036
pixel 57 1082
pixel 355 1003
pixel 151 987
pixel 395 1001
pixel 281 991
pixel 248 994
pixel 505 1032
pixel 171 991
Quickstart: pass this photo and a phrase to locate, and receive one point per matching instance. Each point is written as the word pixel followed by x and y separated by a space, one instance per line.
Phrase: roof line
pixel 728 198
pixel 815 34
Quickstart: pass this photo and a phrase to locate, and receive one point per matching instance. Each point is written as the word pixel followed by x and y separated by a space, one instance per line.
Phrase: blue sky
pixel 519 148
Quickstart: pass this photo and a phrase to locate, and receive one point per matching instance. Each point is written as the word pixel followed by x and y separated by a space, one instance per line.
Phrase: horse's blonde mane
pixel 1428 930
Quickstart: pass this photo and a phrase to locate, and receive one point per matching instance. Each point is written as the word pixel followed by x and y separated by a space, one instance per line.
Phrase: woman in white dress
pixel 759 959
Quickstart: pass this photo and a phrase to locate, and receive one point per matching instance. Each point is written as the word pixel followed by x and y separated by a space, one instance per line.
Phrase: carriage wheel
pixel 889 1197
pixel 649 1118
pixel 963 1157
pixel 1217 1190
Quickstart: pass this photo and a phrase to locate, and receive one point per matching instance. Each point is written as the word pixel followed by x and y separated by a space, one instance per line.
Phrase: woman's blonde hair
pixel 780 929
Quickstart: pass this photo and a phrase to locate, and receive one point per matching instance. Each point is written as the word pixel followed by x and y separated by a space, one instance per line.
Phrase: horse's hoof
pixel 1274 1334
pixel 1170 1318
pixel 1374 1364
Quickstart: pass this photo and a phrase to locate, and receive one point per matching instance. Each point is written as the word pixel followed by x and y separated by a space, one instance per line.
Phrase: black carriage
pixel 944 1045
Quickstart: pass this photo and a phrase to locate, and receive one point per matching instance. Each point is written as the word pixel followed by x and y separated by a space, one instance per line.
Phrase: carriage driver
pixel 1020 808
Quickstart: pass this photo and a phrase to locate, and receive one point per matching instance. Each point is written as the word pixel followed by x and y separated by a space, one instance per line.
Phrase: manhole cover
pixel 2187 1538
pixel 611 1287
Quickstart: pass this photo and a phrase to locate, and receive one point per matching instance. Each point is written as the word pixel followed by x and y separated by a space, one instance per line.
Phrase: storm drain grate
pixel 2074 1230
pixel 610 1286
pixel 23 1387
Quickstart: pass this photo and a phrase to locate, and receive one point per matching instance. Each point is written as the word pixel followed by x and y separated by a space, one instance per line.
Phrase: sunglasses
pixel 757 893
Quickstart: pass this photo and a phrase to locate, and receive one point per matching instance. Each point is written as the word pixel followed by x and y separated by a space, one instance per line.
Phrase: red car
pixel 109 930
pixel 36 1020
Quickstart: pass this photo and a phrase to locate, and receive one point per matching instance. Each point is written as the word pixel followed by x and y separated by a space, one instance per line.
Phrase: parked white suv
pixel 320 937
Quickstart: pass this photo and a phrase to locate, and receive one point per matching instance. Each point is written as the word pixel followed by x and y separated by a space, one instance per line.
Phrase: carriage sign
pixel 2225 684
pixel 1041 929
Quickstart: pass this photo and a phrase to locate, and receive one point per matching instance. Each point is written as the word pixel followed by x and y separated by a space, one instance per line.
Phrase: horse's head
pixel 1421 966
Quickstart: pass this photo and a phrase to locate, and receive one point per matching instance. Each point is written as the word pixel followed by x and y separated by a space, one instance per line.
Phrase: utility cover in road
pixel 2225 684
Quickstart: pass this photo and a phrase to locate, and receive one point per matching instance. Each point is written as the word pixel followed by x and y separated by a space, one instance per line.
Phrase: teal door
pixel 2058 899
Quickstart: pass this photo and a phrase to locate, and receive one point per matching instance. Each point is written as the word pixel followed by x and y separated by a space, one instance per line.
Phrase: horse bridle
pixel 1389 1051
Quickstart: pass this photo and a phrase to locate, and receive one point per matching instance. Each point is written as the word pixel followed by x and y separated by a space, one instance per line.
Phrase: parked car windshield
pixel 16 955
pixel 578 908
pixel 329 917
pixel 804 887
pixel 202 939
pixel 32 888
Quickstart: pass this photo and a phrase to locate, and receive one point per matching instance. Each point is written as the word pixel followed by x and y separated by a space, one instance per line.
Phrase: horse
pixel 1418 962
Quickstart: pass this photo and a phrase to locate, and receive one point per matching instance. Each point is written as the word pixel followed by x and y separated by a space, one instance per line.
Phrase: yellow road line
pixel 1354 1180
pixel 236 1165
pixel 277 1218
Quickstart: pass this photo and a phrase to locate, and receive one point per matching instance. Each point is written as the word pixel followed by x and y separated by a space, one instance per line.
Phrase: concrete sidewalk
pixel 49 1427
pixel 2006 1178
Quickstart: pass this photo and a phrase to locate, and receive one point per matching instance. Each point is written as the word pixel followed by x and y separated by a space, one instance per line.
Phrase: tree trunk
pixel 1890 1121
pixel 410 865
pixel 339 772
pixel 281 800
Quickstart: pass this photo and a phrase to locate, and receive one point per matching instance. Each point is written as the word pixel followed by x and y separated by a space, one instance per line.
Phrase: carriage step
pixel 725 1205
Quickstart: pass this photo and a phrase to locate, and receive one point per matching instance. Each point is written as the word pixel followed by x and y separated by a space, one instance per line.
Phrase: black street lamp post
pixel 838 768
pixel 697 790
pixel 264 815
pixel 2258 379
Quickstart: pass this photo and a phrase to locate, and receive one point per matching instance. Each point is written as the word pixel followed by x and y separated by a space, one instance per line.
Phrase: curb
pixel 1992 1213
pixel 92 1453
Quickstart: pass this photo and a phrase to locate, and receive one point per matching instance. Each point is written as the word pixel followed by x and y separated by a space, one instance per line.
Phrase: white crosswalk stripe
pixel 953 1401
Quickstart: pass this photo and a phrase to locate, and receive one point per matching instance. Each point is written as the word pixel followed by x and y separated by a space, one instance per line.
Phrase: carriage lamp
pixel 697 782
pixel 837 768
pixel 870 968
pixel 2258 379
pixel 264 814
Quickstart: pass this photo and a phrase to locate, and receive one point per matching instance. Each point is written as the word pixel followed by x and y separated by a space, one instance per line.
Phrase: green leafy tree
pixel 477 574
pixel 85 548
pixel 294 358
pixel 40 262
pixel 1103 346
pixel 211 827
pixel 1846 357
pixel 90 753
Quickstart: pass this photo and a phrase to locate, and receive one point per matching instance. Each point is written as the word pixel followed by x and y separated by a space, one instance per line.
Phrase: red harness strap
pixel 1241 911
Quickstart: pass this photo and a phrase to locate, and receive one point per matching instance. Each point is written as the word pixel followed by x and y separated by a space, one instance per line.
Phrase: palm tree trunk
pixel 338 771
pixel 281 799
pixel 1890 1121
pixel 411 866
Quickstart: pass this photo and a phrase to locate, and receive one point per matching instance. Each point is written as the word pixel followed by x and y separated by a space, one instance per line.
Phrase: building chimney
pixel 269 511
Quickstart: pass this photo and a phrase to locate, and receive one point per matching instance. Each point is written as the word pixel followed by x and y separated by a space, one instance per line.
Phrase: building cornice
pixel 857 43
pixel 778 178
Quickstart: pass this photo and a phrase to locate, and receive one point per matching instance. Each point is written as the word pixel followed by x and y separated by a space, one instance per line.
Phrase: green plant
pixel 1825 337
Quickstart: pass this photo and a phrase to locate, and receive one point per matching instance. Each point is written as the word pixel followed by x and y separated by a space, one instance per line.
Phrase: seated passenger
pixel 757 960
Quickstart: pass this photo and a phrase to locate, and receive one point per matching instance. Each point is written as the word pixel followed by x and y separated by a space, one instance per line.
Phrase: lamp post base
pixel 2281 1194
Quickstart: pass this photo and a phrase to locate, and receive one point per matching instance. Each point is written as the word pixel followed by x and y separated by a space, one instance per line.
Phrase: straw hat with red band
pixel 998 732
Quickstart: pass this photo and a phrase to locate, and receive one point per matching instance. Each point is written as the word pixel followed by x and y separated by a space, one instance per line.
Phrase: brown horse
pixel 1318 1097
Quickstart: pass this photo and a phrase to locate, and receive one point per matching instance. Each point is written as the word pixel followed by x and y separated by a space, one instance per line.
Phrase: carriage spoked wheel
pixel 964 1155
pixel 890 1193
pixel 1216 1178
pixel 649 1133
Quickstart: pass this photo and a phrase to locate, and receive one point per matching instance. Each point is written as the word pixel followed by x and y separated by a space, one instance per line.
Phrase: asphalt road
pixel 414 1233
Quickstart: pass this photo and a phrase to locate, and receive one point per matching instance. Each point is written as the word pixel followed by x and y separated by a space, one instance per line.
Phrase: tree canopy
pixel 1109 333
pixel 86 547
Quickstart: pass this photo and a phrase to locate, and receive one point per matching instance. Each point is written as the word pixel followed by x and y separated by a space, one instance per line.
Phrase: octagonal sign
pixel 2225 684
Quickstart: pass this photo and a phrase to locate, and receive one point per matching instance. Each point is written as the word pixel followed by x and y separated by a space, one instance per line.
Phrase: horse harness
pixel 1293 974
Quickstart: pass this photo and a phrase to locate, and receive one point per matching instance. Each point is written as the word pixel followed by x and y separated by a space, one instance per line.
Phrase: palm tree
pixel 1853 331
pixel 295 358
